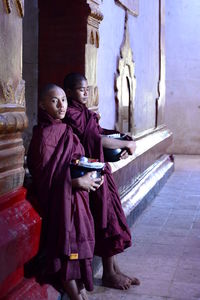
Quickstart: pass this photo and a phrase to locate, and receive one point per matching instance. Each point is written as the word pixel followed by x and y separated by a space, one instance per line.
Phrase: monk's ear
pixel 68 93
pixel 41 105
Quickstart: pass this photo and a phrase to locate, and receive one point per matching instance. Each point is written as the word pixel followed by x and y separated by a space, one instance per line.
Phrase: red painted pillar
pixel 19 237
pixel 20 227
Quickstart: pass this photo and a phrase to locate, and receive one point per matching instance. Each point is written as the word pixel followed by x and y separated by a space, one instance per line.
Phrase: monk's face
pixel 55 103
pixel 80 92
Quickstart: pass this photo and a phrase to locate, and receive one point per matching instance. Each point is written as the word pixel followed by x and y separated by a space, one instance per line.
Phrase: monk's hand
pixel 124 154
pixel 130 146
pixel 88 182
pixel 98 181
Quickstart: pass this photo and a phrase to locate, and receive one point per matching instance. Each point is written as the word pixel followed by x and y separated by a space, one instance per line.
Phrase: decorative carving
pixel 13 121
pixel 10 94
pixel 92 38
pixel 125 86
pixel 93 98
pixel 97 40
pixel 7 6
pixel 94 10
pixel 18 4
pixel 91 48
pixel 131 5
pixel 20 8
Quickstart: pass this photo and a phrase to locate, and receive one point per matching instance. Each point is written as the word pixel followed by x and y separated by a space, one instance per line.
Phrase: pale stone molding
pixel 91 49
pixel 131 5
pixel 160 101
pixel 125 85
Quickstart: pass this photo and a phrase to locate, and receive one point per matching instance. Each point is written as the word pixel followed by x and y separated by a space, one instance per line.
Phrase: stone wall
pixel 144 41
pixel 183 75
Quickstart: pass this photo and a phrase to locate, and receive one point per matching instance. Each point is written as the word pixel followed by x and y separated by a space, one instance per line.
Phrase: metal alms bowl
pixel 112 155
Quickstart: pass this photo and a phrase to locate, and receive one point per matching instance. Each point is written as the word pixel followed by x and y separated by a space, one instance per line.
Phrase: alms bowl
pixel 80 170
pixel 112 155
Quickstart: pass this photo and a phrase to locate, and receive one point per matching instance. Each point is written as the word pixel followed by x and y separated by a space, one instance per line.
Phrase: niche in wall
pixel 125 86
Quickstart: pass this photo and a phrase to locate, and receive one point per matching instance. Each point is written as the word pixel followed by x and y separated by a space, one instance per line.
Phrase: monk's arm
pixel 111 143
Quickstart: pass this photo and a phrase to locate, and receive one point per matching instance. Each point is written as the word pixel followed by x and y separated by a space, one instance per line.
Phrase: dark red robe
pixel 67 220
pixel 112 234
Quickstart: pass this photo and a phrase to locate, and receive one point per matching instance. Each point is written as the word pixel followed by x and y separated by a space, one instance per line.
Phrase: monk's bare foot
pixel 72 290
pixel 116 281
pixel 82 290
pixel 134 280
pixel 84 294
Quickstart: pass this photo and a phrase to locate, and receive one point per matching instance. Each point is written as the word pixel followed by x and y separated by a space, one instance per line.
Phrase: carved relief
pixel 97 39
pixel 20 8
pixel 13 122
pixel 18 4
pixel 91 48
pixel 7 6
pixel 92 38
pixel 131 5
pixel 125 86
pixel 11 94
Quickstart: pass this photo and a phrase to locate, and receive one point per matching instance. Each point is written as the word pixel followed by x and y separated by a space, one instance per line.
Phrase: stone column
pixel 19 223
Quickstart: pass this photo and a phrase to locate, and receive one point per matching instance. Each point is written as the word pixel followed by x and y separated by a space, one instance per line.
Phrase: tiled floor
pixel 166 251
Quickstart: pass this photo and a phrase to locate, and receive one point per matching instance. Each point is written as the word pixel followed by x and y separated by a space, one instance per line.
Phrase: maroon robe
pixel 68 223
pixel 112 234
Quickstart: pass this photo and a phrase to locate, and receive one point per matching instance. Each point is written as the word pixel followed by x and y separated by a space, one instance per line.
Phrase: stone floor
pixel 166 251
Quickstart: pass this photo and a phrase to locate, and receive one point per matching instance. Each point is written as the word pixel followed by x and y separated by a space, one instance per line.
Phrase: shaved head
pixel 72 79
pixel 46 89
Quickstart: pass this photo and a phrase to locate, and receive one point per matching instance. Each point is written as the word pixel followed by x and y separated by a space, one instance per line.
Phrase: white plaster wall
pixel 182 114
pixel 111 37
pixel 144 43
pixel 144 36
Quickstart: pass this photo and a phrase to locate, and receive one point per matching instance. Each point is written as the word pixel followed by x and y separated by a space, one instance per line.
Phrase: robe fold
pixel 112 234
pixel 68 227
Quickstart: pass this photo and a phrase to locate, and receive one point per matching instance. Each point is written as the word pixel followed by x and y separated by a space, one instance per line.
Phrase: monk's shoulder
pixel 51 135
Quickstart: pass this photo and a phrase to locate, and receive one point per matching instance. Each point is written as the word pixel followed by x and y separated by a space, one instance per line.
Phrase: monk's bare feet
pixel 84 294
pixel 134 280
pixel 72 290
pixel 116 281
pixel 82 290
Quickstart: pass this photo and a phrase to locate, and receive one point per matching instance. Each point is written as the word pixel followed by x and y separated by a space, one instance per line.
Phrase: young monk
pixel 68 232
pixel 112 234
